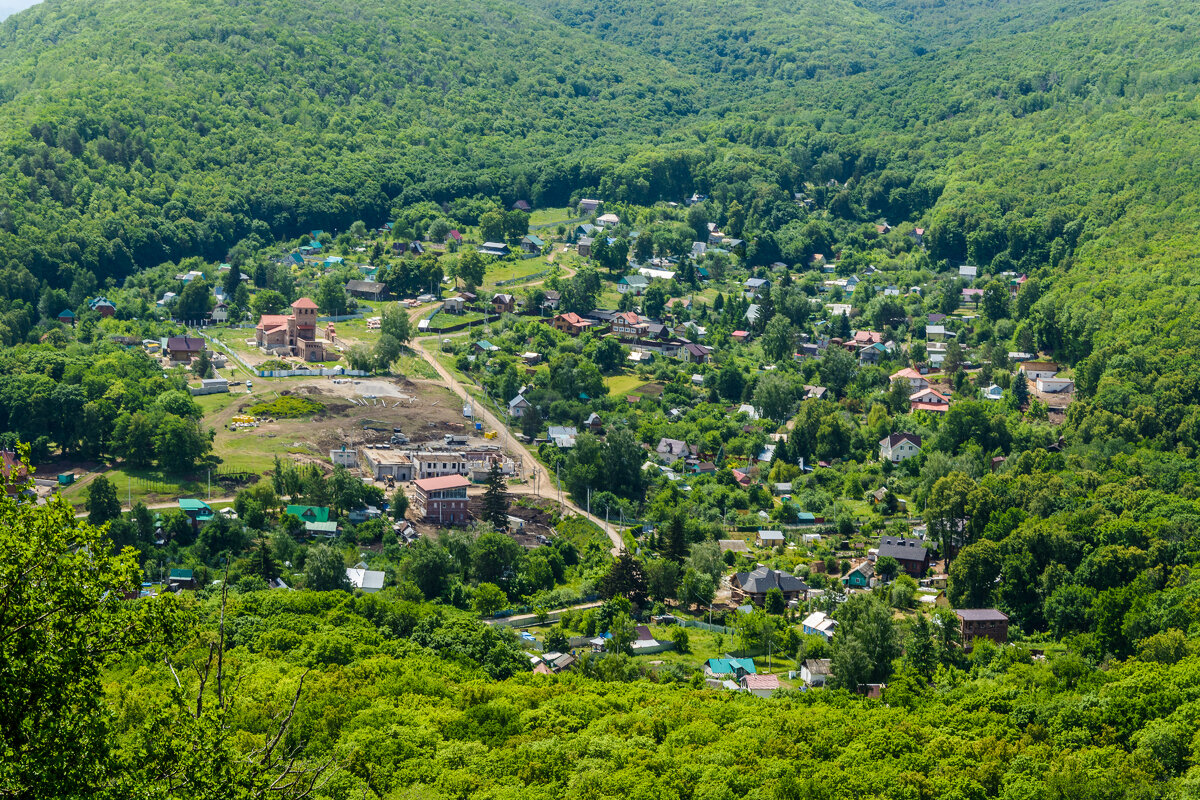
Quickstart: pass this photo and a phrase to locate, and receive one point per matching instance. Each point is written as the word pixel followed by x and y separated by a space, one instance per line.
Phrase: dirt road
pixel 543 483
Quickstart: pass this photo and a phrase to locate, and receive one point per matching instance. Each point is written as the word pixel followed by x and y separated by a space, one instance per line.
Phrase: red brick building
pixel 442 500
pixel 987 623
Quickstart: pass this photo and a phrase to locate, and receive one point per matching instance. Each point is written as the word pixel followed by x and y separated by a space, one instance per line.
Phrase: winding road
pixel 543 483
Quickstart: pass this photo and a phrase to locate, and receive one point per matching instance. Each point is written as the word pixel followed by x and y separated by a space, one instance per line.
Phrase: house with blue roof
pixel 67 317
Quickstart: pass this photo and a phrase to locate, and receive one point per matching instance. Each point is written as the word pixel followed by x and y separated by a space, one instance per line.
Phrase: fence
pixel 218 343
pixel 524 278
pixel 362 312
pixel 704 626
pixel 325 372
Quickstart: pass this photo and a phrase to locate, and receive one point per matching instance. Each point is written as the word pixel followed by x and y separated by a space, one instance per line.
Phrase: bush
pixel 288 407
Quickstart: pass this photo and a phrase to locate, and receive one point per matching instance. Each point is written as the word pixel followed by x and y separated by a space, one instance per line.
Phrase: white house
pixel 899 447
pixel 1055 385
pixel 1038 369
pixel 815 671
pixel 345 457
pixel 608 220
pixel 928 400
pixel 369 580
pixel 968 272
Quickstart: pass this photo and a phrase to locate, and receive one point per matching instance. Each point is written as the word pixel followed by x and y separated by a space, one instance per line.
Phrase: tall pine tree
pixel 495 499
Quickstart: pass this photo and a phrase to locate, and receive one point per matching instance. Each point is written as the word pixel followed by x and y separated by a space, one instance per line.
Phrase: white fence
pixel 325 372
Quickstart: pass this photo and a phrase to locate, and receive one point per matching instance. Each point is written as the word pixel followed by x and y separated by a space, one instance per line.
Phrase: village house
pixel 220 313
pixel 453 305
pixel 992 392
pixel 367 290
pixel 494 249
pixel 571 323
pixel 916 381
pixel 532 244
pixel 929 400
pixel 815 672
pixel 584 246
pixel 986 623
pixel 551 299
pixel 769 539
pixel 899 447
pixel 1038 369
pixel 912 555
pixel 752 587
pixel 504 303
pixel 818 623
pixel 696 353
pixel 1055 385
pixel 674 449
pixel 102 306
pixel 760 685
pixel 588 207
pixel 968 272
pixel 756 286
pixel 344 457
pixel 518 406
pixel 296 333
pixel 442 500
pixel 366 580
pixel 728 667
pixel 182 349
pixel 608 220
pixel 627 324
pixel 859 576
pixel 562 436
pixel 637 284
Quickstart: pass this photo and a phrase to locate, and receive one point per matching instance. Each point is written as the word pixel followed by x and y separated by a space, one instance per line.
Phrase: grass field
pixel 514 270
pixel 619 385
pixel 550 216
pixel 450 320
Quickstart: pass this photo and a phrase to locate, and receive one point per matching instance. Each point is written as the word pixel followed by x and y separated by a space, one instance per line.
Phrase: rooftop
pixel 444 482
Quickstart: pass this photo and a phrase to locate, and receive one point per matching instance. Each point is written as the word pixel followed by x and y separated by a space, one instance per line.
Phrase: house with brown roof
pixel 182 349
pixel 504 303
pixel 1038 369
pixel 899 447
pixel 985 623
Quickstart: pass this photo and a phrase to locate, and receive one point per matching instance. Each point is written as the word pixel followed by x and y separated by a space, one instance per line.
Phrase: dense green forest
pixel 1054 139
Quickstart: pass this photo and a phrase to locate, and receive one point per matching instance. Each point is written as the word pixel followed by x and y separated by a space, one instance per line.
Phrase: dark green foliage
pixel 495 499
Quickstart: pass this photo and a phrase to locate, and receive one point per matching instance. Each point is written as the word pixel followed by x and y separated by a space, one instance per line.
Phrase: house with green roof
pixel 310 513
pixel 316 519
pixel 67 317
pixel 737 668
pixel 198 511
pixel 181 579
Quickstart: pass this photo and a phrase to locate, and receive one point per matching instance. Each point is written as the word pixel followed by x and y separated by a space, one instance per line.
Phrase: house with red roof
pixel 293 334
pixel 929 400
pixel 442 500
pixel 571 323
pixel 916 381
